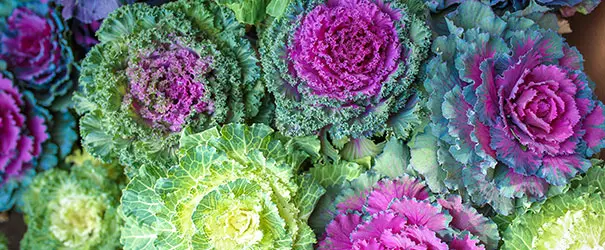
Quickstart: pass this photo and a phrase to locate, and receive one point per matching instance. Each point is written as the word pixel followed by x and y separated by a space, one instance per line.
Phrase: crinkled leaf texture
pixel 357 98
pixel 129 86
pixel 513 115
pixel 235 187
pixel 75 209
pixel 572 220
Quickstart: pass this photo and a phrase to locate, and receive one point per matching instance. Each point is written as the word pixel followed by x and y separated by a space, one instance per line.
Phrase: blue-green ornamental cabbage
pixel 159 69
pixel 235 187
pixel 75 209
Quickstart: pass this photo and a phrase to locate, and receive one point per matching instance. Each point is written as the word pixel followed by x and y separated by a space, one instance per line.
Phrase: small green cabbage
pixel 572 220
pixel 234 187
pixel 74 209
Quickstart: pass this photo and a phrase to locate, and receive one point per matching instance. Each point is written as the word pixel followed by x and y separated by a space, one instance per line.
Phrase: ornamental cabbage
pixel 35 51
pixel 573 220
pixel 75 209
pixel 512 111
pixel 159 69
pixel 376 211
pixel 235 187
pixel 346 66
pixel 23 132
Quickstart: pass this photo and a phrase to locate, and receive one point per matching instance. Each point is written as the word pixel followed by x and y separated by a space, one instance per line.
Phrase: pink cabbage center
pixel 346 48
pixel 167 85
pixel 543 109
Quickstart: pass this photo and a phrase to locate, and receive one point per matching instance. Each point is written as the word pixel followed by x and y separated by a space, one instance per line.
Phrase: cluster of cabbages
pixel 298 124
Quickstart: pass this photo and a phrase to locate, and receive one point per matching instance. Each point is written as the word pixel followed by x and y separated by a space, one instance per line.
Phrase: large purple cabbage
pixel 513 111
pixel 346 67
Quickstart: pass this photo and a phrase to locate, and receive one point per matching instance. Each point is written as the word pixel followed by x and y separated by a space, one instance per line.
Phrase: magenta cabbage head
pixel 348 66
pixel 35 51
pixel 23 135
pixel 401 214
pixel 512 108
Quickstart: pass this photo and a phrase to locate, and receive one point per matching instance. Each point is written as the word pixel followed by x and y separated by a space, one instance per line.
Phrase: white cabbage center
pixel 76 219
pixel 575 230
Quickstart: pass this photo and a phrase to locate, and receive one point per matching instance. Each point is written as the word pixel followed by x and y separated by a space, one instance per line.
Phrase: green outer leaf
pixel 424 160
pixel 218 170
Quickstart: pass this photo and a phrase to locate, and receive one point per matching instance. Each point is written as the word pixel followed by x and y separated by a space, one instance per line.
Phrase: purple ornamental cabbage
pixel 400 214
pixel 35 51
pixel 346 66
pixel 512 110
pixel 23 134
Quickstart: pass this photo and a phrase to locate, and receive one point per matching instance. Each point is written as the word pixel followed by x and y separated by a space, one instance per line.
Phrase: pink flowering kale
pixel 399 213
pixel 512 111
pixel 158 70
pixel 23 134
pixel 346 66
pixel 33 47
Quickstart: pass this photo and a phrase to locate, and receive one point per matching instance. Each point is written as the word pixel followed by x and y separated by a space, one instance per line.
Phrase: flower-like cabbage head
pixel 572 220
pixel 234 187
pixel 72 210
pixel 512 110
pixel 349 66
pixel 160 69
pixel 35 50
pixel 23 133
pixel 375 212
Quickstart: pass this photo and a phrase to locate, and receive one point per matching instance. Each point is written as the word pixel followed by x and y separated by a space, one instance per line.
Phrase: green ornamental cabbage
pixel 159 69
pixel 74 209
pixel 572 220
pixel 235 187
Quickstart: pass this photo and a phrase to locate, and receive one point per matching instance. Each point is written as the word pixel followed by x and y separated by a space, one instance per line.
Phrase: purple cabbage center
pixel 346 48
pixel 167 85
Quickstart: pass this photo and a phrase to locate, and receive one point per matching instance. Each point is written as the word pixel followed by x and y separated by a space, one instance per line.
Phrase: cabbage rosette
pixel 573 220
pixel 235 187
pixel 75 209
pixel 159 69
pixel 347 66
pixel 35 51
pixel 23 132
pixel 513 114
pixel 385 208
